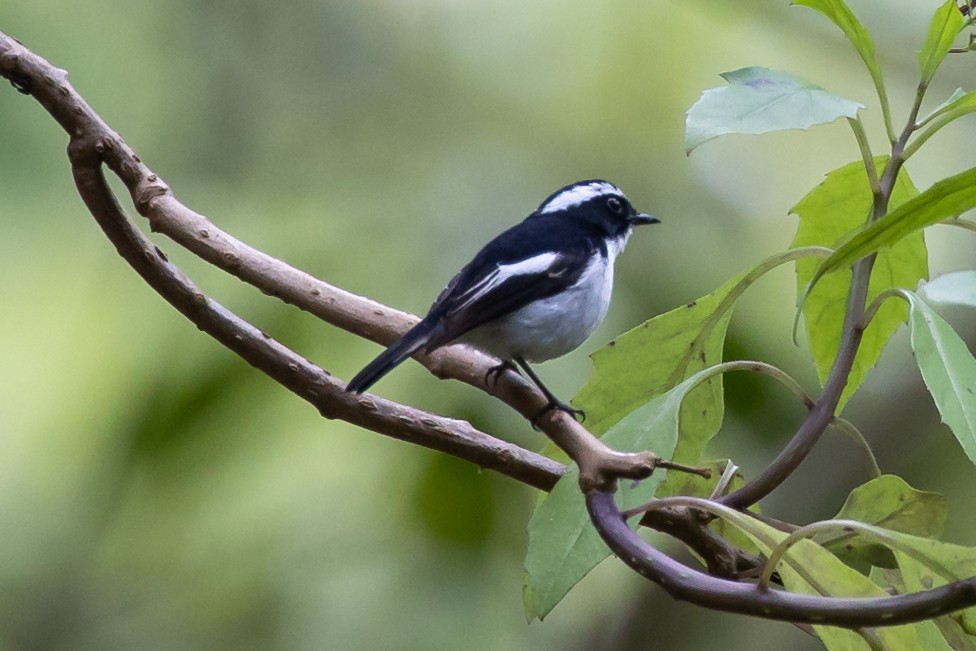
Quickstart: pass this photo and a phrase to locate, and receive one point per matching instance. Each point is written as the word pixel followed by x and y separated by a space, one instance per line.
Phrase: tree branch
pixel 686 584
pixel 92 142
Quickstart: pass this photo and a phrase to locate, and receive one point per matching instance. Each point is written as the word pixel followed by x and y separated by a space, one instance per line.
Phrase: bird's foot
pixel 577 414
pixel 496 372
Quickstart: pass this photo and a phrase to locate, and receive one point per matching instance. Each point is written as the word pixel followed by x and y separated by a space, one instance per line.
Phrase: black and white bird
pixel 535 292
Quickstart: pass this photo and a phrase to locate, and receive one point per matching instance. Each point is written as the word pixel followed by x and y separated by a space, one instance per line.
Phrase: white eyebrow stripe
pixel 534 265
pixel 579 194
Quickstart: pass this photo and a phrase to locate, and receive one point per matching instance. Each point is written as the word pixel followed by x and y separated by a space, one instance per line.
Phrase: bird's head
pixel 598 202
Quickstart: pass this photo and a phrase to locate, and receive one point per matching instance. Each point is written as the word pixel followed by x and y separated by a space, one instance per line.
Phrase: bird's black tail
pixel 415 339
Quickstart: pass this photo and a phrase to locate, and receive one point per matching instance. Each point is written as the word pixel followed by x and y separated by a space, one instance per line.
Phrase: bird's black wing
pixel 536 265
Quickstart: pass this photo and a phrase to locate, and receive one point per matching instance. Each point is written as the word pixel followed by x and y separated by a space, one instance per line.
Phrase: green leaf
pixel 959 96
pixel 655 356
pixel 887 501
pixel 759 100
pixel 947 198
pixel 956 288
pixel 840 204
pixel 946 24
pixel 948 369
pixel 643 383
pixel 927 564
pixel 563 545
pixel 650 359
pixel 808 568
pixel 960 101
pixel 930 637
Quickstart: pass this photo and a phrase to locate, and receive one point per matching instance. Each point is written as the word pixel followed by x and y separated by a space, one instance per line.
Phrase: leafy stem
pixel 936 122
pixel 844 529
pixel 862 142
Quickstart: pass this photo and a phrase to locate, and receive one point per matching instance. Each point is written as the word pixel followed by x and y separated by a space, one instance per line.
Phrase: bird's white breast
pixel 553 326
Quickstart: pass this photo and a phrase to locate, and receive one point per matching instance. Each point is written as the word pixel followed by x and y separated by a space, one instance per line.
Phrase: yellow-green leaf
pixel 839 205
pixel 946 24
pixel 947 198
pixel 886 501
pixel 808 568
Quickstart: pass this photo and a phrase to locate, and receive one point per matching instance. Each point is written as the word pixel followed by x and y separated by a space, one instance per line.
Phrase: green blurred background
pixel 157 493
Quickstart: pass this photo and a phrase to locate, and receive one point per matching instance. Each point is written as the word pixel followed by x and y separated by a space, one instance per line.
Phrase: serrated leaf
pixel 840 204
pixel 946 24
pixel 760 100
pixel 650 359
pixel 563 545
pixel 947 198
pixel 956 288
pixel 887 501
pixel 948 369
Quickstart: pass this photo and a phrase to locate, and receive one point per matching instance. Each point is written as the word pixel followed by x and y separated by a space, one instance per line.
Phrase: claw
pixel 496 372
pixel 577 414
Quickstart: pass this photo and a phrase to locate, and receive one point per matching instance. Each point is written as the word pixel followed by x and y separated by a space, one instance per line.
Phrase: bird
pixel 533 293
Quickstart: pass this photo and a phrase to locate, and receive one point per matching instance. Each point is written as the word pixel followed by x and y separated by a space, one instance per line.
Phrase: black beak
pixel 639 218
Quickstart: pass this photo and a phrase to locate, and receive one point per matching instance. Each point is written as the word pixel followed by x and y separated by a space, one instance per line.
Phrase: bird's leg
pixel 497 370
pixel 554 402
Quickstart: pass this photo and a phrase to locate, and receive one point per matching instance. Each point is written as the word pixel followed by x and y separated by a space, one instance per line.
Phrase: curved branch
pixel 684 583
pixel 92 141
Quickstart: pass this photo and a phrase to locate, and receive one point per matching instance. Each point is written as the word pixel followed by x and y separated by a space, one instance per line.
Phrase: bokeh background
pixel 157 493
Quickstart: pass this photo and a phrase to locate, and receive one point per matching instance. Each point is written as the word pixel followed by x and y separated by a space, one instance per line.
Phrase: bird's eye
pixel 615 205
